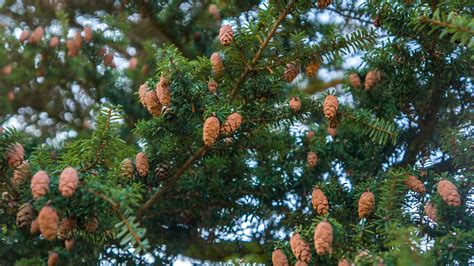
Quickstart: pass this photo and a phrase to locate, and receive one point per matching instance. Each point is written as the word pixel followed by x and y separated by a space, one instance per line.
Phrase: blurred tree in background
pixel 195 138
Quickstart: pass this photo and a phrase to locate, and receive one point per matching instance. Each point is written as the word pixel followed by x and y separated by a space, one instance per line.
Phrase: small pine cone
pixel 449 193
pixel 142 91
pixel 69 244
pixel 36 35
pixel 34 229
pixel 320 202
pixel 39 184
pixel 48 221
pixel 226 35
pixel 141 162
pixel 126 168
pixel 25 216
pixel 54 42
pixel 211 130
pixel 279 258
pixel 312 69
pixel 300 248
pixel 21 173
pixel 152 103
pixel 231 124
pixel 162 172
pixel 15 155
pixel 332 132
pixel 53 259
pixel 377 21
pixel 24 35
pixel 217 64
pixel 366 204
pixel 414 184
pixel 323 238
pixel 88 34
pixel 214 11
pixel 108 59
pixel 312 159
pixel 343 262
pixel 71 48
pixel 295 104
pixel 330 107
pixel 292 70
pixel 355 81
pixel 65 227
pixel 163 92
pixel 6 70
pixel 91 225
pixel 301 263
pixel 310 134
pixel 212 86
pixel 68 181
pixel 431 212
pixel 371 79
pixel 77 40
pixel 132 63
pixel 323 3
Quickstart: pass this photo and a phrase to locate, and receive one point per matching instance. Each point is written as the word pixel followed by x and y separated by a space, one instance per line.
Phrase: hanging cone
pixel 226 35
pixel 212 86
pixel 295 104
pixel 355 81
pixel 330 107
pixel 142 93
pixel 431 212
pixel 65 227
pixel 53 259
pixel 371 79
pixel 24 35
pixel 343 262
pixel 88 34
pixel 68 181
pixel 141 162
pixel 34 229
pixel 126 168
pixel 279 258
pixel 211 130
pixel 132 63
pixel 162 172
pixel 91 225
pixel 54 42
pixel 214 11
pixel 332 132
pixel 21 173
pixel 69 244
pixel 152 103
pixel 25 216
pixel 71 48
pixel 39 184
pixel 312 159
pixel 366 204
pixel 163 92
pixel 217 64
pixel 312 69
pixel 319 202
pixel 449 193
pixel 15 154
pixel 77 40
pixel 108 59
pixel 414 184
pixel 36 35
pixel 300 248
pixel 231 124
pixel 310 134
pixel 292 70
pixel 6 70
pixel 323 238
pixel 48 221
pixel 323 3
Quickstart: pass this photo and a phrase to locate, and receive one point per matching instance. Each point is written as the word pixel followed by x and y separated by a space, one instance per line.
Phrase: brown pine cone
pixel 366 204
pixel 330 107
pixel 300 248
pixel 214 11
pixel 312 69
pixel 163 92
pixel 88 34
pixel 69 244
pixel 108 59
pixel 48 221
pixel 323 238
pixel 36 35
pixel 141 162
pixel 310 134
pixel 343 262
pixel 54 42
pixel 279 258
pixel 295 104
pixel 15 154
pixel 132 63
pixel 24 35
pixel 6 70
pixel 449 193
pixel 331 131
pixel 212 86
pixel 414 184
pixel 231 124
pixel 312 159
pixel 226 35
pixel 162 172
pixel 431 212
pixel 371 79
pixel 377 21
pixel 152 103
pixel 68 181
pixel 71 48
pixel 39 184
pixel 91 225
pixel 319 202
pixel 217 64
pixel 53 259
pixel 126 168
pixel 77 40
pixel 355 81
pixel 323 3
pixel 142 93
pixel 34 229
pixel 25 216
pixel 292 70
pixel 65 227
pixel 21 173
pixel 211 130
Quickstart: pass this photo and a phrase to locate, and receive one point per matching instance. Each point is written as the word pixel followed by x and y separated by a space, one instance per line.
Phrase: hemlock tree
pixel 220 150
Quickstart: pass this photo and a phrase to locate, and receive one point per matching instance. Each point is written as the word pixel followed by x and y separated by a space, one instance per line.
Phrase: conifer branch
pixel 101 145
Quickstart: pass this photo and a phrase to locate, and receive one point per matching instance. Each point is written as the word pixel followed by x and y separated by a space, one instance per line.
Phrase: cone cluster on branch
pixel 212 86
pixel 152 103
pixel 292 70
pixel 53 259
pixel 15 154
pixel 217 64
pixel 300 249
pixel 431 212
pixel 126 168
pixel 312 69
pixel 226 35
pixel 231 124
pixel 39 184
pixel 21 173
pixel 371 79
pixel 163 92
pixel 319 201
pixel 211 130
pixel 366 204
pixel 279 258
pixel 414 184
pixel 323 238
pixel 68 181
pixel 312 159
pixel 65 227
pixel 323 3
pixel 25 216
pixel 355 81
pixel 449 193
pixel 48 221
pixel 295 104
pixel 141 162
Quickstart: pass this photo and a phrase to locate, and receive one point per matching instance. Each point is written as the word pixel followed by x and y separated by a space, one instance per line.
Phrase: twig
pixel 101 146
